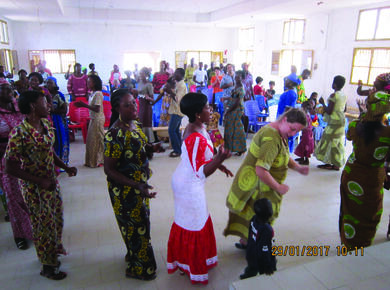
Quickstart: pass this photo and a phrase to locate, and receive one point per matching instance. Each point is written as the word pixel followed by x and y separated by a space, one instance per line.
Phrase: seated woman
pixel 34 163
pixel 126 165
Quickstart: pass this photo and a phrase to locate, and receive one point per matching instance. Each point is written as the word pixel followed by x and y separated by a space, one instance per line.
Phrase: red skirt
pixel 193 252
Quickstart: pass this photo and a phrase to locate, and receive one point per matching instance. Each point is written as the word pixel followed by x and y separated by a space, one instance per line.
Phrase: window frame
pixel 6 35
pixel 369 68
pixel 181 57
pixel 376 24
pixel 41 54
pixel 291 20
pixel 299 69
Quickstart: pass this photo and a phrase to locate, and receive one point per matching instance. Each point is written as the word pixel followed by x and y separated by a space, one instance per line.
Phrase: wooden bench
pixel 352 113
pixel 162 132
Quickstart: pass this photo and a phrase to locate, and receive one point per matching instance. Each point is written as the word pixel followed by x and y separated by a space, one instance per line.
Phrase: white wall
pixel 332 37
pixel 105 44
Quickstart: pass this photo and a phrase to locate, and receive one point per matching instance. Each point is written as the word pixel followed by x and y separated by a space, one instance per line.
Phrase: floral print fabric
pixel 130 208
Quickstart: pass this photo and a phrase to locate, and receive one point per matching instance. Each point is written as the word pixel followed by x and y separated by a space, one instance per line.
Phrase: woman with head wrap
pixel 58 114
pixel 363 176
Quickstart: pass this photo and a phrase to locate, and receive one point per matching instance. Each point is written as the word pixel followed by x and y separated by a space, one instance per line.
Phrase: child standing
pixel 259 249
pixel 269 94
pixel 306 146
pixel 212 127
pixel 258 90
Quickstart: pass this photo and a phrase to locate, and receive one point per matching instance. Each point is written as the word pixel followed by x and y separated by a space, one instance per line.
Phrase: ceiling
pixel 191 12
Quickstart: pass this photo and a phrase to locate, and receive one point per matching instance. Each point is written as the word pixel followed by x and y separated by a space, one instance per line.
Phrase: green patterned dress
pixel 270 151
pixel 234 133
pixel 330 149
pixel 361 188
pixel 131 210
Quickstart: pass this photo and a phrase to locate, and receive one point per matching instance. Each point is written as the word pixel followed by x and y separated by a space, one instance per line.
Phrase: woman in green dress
pixel 361 189
pixel 234 134
pixel 263 172
pixel 330 149
pixel 126 164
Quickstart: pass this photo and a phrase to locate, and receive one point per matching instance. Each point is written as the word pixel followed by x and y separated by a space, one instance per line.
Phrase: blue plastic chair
pixel 251 110
pixel 156 111
pixel 219 104
pixel 209 93
pixel 262 104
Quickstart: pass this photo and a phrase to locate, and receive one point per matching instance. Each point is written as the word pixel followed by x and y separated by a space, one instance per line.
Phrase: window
pixel 182 57
pixel 4 32
pixel 302 59
pixel 294 31
pixel 58 61
pixel 6 58
pixel 141 59
pixel 243 56
pixel 275 62
pixel 374 24
pixel 368 63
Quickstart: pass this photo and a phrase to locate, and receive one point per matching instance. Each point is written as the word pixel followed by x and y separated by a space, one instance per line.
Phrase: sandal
pixel 174 154
pixel 328 167
pixel 52 272
pixel 21 243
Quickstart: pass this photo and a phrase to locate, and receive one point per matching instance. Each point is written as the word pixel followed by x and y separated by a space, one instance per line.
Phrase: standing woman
pixel 95 137
pixel 362 180
pixel 30 157
pixel 160 78
pixel 59 110
pixel 191 245
pixel 145 96
pixel 77 84
pixel 36 80
pixel 10 116
pixel 263 172
pixel 126 165
pixel 234 135
pixel 330 149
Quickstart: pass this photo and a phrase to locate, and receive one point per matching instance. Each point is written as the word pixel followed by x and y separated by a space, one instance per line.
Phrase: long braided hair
pixel 115 100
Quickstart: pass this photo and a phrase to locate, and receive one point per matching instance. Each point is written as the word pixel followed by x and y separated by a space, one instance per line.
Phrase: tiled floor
pixel 96 251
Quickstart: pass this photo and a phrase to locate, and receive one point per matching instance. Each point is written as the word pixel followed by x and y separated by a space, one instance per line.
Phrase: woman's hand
pixel 283 188
pixel 144 189
pixel 223 154
pixel 360 83
pixel 47 184
pixel 304 170
pixel 72 171
pixel 225 170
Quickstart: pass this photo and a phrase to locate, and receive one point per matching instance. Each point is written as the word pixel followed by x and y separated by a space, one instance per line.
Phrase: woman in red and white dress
pixel 191 245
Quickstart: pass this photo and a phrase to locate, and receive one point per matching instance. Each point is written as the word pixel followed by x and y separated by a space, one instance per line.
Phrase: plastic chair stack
pixel 219 104
pixel 252 111
pixel 78 119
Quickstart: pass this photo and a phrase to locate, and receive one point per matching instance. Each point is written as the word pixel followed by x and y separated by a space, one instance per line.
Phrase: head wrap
pixel 53 79
pixel 385 78
pixel 294 78
pixel 378 104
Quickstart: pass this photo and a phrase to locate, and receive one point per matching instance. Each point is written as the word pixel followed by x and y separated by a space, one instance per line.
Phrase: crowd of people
pixel 34 143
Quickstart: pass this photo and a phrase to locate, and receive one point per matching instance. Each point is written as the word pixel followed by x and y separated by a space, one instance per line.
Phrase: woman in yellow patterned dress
pixel 263 172
pixel 127 168
pixel 30 157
